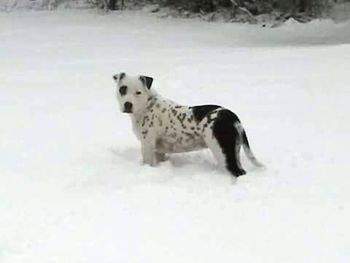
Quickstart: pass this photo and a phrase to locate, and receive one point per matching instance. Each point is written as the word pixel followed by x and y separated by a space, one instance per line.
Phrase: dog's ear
pixel 119 76
pixel 147 81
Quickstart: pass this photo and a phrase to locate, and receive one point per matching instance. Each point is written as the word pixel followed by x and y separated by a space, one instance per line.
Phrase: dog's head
pixel 132 92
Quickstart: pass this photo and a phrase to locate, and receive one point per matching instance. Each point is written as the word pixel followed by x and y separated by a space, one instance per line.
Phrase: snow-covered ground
pixel 72 187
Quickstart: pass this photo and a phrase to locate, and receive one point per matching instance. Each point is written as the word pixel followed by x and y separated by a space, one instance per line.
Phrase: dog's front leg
pixel 148 152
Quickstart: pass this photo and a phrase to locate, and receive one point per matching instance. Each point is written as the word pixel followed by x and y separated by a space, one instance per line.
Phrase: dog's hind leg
pixel 223 139
pixel 227 155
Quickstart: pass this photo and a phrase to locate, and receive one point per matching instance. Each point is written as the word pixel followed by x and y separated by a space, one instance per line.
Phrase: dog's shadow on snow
pixel 199 159
pixel 128 154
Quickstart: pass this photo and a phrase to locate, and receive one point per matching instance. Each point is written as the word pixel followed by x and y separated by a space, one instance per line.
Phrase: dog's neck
pixel 151 102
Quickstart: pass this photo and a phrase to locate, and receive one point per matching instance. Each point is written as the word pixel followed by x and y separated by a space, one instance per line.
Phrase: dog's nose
pixel 127 107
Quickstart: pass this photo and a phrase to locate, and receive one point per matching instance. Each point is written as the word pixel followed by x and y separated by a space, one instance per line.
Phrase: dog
pixel 164 127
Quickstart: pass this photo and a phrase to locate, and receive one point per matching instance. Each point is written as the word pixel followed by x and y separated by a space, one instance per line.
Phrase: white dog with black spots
pixel 165 127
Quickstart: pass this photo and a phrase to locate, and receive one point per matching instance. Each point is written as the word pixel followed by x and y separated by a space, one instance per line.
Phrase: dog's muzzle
pixel 128 107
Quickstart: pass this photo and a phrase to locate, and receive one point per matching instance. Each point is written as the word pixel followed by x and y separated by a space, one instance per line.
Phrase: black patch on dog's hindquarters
pixel 123 90
pixel 199 112
pixel 228 137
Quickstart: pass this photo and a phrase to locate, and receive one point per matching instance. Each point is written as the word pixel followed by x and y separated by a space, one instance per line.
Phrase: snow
pixel 73 188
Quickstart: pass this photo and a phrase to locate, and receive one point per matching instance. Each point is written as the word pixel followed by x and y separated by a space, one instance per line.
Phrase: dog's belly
pixel 173 145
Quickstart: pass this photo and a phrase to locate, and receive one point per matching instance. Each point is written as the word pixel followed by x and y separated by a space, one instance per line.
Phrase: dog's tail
pixel 247 149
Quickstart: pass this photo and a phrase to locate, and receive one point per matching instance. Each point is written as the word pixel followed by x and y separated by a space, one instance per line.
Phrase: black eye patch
pixel 123 90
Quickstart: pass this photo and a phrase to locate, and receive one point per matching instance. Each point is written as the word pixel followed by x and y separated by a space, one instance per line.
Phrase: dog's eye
pixel 138 93
pixel 123 90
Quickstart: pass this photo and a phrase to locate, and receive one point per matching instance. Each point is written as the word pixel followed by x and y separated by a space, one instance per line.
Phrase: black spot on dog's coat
pixel 199 112
pixel 181 117
pixel 123 90
pixel 190 119
pixel 190 135
pixel 144 121
pixel 144 133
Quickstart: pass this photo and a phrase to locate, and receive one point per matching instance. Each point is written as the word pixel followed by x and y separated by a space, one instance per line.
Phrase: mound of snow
pixel 291 21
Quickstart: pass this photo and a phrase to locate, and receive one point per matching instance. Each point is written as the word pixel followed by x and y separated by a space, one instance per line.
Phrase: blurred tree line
pixel 252 7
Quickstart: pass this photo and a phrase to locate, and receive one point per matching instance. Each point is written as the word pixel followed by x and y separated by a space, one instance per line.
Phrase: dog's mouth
pixel 127 111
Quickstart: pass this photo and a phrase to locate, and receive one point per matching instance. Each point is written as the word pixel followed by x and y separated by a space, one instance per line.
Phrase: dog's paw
pixel 152 163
